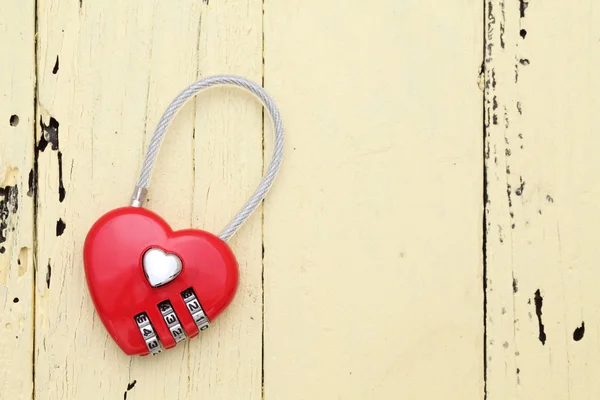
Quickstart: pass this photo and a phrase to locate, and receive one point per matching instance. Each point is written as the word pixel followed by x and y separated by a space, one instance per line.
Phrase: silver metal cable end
pixel 138 197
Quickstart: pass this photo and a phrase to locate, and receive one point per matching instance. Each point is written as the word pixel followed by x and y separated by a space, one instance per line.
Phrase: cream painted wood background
pixel 432 234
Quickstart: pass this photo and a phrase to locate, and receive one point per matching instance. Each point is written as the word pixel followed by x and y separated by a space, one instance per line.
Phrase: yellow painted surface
pixel 373 234
pixel 543 254
pixel 17 93
pixel 431 235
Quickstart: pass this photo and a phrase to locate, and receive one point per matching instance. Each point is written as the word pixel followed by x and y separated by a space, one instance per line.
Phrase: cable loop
pixel 244 213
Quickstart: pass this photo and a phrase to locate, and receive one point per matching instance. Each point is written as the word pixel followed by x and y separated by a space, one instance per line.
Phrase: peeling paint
pixel 579 332
pixel 60 227
pixel 130 386
pixel 61 187
pixel 9 197
pixel 56 65
pixel 49 135
pixel 48 274
pixel 539 302
pixel 14 120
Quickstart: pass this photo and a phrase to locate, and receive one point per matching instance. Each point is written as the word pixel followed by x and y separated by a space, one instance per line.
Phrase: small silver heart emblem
pixel 160 267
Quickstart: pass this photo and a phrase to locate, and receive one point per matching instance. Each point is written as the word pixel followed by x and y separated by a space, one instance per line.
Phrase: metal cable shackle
pixel 141 189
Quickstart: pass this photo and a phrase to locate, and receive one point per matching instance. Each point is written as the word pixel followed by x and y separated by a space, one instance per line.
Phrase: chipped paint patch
pixel 9 198
pixel 23 261
pixel 579 332
pixel 539 302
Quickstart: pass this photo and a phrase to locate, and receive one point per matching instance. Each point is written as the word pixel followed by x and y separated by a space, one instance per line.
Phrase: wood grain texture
pixel 363 276
pixel 17 91
pixel 373 235
pixel 542 210
pixel 107 71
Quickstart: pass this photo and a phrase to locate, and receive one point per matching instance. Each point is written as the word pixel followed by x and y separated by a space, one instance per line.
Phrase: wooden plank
pixel 542 213
pixel 107 71
pixel 17 85
pixel 373 278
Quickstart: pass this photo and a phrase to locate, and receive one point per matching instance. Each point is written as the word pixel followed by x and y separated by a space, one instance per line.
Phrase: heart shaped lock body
pixel 120 284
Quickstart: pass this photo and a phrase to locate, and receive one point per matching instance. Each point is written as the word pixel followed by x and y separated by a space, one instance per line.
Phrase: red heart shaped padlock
pixel 121 290
pixel 153 287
